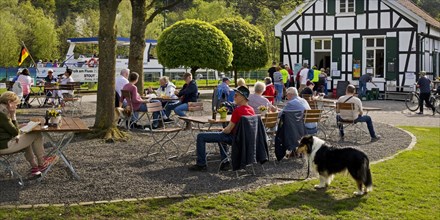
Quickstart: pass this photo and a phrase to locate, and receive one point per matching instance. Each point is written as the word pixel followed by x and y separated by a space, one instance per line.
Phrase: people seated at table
pixel 270 90
pixel 26 81
pixel 11 141
pixel 224 92
pixel 308 90
pixel 48 80
pixel 120 81
pixel 166 89
pixel 227 135
pixel 257 99
pixel 296 103
pixel 136 101
pixel 66 78
pixel 188 93
pixel 357 115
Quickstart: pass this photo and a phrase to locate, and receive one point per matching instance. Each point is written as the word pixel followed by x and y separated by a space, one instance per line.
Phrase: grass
pixel 406 187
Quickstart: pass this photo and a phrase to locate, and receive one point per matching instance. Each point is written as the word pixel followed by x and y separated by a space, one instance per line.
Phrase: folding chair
pixel 135 116
pixel 307 97
pixel 77 89
pixel 195 107
pixel 9 161
pixel 163 135
pixel 270 122
pixel 315 116
pixel 49 94
pixel 313 104
pixel 68 99
pixel 349 107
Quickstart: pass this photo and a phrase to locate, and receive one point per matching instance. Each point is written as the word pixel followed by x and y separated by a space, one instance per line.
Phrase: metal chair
pixel 68 99
pixel 135 116
pixel 163 135
pixel 8 161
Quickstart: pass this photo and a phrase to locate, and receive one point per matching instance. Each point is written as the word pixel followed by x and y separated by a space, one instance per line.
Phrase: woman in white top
pixel 26 81
pixel 64 81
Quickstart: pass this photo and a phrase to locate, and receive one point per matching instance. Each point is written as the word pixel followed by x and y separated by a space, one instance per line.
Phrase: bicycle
pixel 413 98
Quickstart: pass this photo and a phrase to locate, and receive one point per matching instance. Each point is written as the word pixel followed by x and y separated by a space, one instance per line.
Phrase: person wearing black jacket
pixel 188 93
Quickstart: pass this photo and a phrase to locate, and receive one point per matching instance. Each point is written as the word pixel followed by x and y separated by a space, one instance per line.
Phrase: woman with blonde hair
pixel 11 141
pixel 241 82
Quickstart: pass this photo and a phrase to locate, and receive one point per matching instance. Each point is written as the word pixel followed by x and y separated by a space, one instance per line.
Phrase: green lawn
pixel 406 187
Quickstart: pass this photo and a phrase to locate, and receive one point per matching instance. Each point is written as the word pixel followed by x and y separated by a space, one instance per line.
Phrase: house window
pixel 346 6
pixel 375 57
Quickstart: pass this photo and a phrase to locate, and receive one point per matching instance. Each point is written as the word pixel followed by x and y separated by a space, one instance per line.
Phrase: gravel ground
pixel 124 170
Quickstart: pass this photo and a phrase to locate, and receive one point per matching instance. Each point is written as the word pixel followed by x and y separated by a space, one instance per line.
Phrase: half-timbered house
pixel 392 39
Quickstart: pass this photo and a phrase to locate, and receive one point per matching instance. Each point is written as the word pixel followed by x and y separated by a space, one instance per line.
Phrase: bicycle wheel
pixel 412 101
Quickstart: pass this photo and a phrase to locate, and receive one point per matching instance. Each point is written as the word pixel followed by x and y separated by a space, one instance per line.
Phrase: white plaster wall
pixel 350 63
pixel 345 23
pixel 361 21
pixel 385 20
pixel 383 6
pixel 292 43
pixel 372 21
pixel 404 24
pixel 404 39
pixel 330 22
pixel 319 23
pixel 319 6
pixel 308 23
pixel 372 5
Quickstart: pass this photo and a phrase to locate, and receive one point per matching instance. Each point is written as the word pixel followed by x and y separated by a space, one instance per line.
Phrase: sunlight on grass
pixel 406 187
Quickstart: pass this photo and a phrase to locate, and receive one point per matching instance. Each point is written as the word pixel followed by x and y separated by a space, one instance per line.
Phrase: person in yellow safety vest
pixel 316 76
pixel 285 74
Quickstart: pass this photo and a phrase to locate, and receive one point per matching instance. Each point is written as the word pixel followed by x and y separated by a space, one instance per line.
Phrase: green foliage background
pixel 200 45
pixel 248 44
pixel 45 25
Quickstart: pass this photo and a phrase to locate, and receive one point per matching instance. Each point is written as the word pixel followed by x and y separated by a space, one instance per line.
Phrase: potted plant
pixel 54 117
pixel 262 109
pixel 223 111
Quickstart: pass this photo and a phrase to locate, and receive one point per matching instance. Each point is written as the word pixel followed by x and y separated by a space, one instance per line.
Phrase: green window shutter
pixel 391 63
pixel 306 49
pixel 331 7
pixel 359 6
pixel 357 54
pixel 337 52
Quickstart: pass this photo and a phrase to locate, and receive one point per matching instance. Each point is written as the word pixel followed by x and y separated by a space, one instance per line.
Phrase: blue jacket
pixel 189 92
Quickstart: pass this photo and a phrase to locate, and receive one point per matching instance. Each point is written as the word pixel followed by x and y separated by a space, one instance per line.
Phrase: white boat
pixel 85 68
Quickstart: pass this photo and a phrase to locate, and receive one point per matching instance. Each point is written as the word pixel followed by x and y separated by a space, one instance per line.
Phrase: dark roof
pixel 418 11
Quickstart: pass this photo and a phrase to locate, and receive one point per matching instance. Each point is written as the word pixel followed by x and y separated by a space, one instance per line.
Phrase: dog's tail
pixel 366 175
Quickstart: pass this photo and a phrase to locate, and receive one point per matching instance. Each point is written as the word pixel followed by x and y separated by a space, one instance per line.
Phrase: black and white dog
pixel 328 160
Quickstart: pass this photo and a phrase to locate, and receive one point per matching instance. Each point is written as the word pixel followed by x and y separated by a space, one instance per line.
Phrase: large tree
pixel 106 74
pixel 195 44
pixel 248 45
pixel 143 13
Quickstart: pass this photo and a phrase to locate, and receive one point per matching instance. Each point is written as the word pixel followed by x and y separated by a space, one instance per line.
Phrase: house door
pixel 321 53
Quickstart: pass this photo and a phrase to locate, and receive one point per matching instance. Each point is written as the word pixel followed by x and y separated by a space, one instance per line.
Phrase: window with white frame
pixel 346 6
pixel 375 56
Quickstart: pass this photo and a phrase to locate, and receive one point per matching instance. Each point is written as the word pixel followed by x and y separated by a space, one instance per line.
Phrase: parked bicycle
pixel 413 98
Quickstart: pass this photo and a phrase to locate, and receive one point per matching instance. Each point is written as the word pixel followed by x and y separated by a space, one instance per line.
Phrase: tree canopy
pixel 248 45
pixel 195 44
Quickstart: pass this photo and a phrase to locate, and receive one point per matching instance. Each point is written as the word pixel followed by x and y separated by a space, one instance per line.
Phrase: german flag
pixel 23 55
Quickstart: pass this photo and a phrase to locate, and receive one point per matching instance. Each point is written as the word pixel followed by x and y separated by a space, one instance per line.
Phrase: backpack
pixel 310 74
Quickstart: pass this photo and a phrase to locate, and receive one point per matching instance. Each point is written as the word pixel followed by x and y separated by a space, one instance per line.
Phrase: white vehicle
pixel 85 68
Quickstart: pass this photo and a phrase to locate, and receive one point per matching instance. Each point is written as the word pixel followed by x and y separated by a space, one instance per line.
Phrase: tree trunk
pixel 137 40
pixel 104 120
pixel 234 71
pixel 193 71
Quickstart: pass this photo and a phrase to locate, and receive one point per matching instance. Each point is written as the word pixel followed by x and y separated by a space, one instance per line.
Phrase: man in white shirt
pixel 356 115
pixel 303 77
pixel 121 80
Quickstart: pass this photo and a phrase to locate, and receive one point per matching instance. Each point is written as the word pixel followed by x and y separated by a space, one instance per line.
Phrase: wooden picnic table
pixel 68 128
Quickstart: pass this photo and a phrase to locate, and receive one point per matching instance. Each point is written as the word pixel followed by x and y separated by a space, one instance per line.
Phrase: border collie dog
pixel 328 160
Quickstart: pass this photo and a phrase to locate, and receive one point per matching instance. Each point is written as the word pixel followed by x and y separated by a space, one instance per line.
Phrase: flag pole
pixel 36 67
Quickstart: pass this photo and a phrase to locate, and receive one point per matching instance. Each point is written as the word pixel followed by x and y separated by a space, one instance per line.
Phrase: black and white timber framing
pixel 411 39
